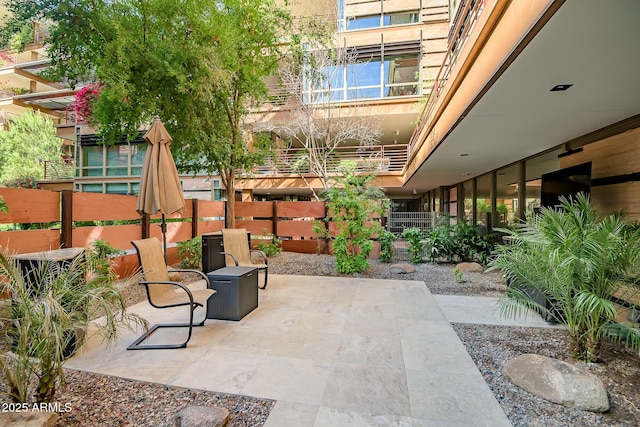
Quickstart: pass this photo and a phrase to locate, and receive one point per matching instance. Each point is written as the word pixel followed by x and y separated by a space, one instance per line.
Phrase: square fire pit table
pixel 236 292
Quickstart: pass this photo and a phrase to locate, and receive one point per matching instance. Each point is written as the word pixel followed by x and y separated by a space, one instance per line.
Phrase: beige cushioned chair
pixel 162 292
pixel 237 252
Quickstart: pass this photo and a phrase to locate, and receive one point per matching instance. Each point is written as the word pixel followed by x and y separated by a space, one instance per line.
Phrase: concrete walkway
pixel 331 351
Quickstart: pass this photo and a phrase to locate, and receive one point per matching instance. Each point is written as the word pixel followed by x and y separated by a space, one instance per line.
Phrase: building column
pixel 522 189
pixel 493 193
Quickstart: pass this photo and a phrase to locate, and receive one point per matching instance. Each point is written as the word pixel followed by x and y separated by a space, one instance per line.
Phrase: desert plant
pixel 352 204
pixel 416 242
pixel 457 273
pixel 99 256
pixel 576 261
pixel 49 315
pixel 386 239
pixel 271 245
pixel 190 253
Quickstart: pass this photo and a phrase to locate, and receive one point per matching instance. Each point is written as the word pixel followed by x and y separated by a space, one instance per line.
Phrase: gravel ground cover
pixel 99 400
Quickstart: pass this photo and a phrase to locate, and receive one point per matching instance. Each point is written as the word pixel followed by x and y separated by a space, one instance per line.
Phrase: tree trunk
pixel 230 215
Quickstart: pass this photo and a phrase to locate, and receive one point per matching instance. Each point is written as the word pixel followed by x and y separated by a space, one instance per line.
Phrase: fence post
pixel 66 219
pixel 194 218
pixel 274 218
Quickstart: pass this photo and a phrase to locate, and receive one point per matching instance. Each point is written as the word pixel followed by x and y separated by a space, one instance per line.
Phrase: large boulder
pixel 472 267
pixel 402 268
pixel 558 382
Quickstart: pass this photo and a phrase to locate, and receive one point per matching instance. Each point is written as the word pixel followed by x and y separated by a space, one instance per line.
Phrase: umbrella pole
pixel 163 227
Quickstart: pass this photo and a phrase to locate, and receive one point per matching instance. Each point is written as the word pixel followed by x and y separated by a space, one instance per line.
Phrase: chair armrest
pixel 204 276
pixel 261 253
pixel 179 285
pixel 235 260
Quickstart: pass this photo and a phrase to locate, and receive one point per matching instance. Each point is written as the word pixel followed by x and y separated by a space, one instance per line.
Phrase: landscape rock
pixel 202 416
pixel 402 268
pixel 28 419
pixel 558 382
pixel 472 267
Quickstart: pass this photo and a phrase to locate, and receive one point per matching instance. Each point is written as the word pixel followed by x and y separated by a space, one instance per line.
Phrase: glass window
pixel 135 188
pixel 507 195
pixel 332 77
pixel 399 70
pixel 138 152
pixel 362 22
pixel 92 156
pixel 363 74
pixel 117 160
pixel 92 188
pixel 363 93
pixel 483 200
pixel 118 188
pixel 468 200
pixel 401 18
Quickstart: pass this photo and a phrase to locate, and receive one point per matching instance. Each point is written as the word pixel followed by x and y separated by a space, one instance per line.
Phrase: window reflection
pixel 382 20
pixel 395 74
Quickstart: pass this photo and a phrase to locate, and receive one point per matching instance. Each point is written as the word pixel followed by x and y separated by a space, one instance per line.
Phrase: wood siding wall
pixel 615 167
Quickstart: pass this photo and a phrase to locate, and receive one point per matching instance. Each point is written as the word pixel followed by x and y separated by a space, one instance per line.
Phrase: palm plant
pixel 50 312
pixel 577 262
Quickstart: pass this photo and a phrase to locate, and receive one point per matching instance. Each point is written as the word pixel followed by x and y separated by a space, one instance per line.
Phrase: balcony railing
pixel 464 21
pixel 59 169
pixel 376 159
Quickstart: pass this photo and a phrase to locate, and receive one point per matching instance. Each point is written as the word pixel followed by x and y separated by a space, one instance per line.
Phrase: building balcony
pixel 371 159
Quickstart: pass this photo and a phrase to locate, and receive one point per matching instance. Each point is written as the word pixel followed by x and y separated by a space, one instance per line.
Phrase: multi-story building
pixel 516 102
pixel 486 106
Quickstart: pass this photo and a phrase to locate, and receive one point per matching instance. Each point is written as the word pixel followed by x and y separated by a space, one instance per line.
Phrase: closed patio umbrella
pixel 160 189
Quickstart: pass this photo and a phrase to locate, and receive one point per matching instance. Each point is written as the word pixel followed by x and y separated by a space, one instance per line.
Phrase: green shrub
pixel 416 242
pixel 271 246
pixel 460 241
pixel 386 239
pixel 99 256
pixel 352 202
pixel 190 253
pixel 576 261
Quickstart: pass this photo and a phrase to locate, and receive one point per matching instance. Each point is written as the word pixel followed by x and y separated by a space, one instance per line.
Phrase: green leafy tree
pixel 577 262
pixel 197 65
pixel 29 141
pixel 352 203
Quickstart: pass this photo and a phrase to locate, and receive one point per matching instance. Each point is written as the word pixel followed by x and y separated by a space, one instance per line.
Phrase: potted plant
pixel 48 309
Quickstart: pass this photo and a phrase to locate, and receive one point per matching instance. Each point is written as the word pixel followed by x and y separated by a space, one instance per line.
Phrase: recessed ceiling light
pixel 464 154
pixel 560 88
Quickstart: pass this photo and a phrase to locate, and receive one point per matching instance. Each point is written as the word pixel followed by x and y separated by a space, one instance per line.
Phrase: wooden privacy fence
pixel 41 220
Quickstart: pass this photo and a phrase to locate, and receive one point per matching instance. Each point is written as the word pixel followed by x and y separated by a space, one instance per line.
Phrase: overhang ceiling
pixel 590 44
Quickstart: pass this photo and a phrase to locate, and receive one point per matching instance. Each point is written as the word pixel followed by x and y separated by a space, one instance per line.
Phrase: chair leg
pixel 136 345
pixel 266 274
